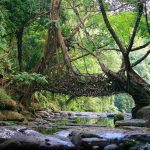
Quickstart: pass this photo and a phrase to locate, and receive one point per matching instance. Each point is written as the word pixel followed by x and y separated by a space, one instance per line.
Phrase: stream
pixel 73 131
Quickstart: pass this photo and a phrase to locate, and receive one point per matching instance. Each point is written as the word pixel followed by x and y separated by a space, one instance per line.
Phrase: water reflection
pixel 98 121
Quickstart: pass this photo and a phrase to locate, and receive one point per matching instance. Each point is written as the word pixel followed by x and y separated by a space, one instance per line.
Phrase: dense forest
pixel 76 56
pixel 90 43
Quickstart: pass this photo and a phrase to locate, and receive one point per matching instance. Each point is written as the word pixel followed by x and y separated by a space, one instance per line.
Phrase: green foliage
pixel 17 13
pixel 25 78
pixel 2 28
pixel 4 95
pixel 124 102
pixel 100 121
pixel 118 117
pixel 3 98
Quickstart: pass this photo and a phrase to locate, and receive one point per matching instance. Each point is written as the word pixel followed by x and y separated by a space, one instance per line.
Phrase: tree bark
pixel 19 36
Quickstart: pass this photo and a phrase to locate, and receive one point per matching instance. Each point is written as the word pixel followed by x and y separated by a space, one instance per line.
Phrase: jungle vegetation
pixel 51 50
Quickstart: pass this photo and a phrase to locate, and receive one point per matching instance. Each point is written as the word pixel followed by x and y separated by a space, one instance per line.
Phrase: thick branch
pixel 109 27
pixel 136 25
pixel 64 50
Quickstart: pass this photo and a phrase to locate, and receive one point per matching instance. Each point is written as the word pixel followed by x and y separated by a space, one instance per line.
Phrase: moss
pixel 8 104
pixel 50 131
pixel 8 123
pixel 2 117
pixel 13 116
pixel 118 117
pixel 3 95
pixel 27 115
pixel 37 107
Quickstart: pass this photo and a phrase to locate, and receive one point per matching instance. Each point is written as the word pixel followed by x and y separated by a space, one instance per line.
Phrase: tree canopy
pixel 86 44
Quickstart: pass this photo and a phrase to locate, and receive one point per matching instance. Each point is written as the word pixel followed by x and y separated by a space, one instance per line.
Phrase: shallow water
pixel 82 120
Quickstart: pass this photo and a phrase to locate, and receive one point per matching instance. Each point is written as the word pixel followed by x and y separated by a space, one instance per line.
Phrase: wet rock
pixel 21 138
pixel 63 133
pixel 64 114
pixel 111 147
pixel 38 120
pixel 91 142
pixel 132 122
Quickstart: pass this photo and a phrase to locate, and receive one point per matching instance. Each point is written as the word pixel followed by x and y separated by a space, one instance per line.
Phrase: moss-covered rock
pixel 144 113
pixel 2 117
pixel 37 107
pixel 12 116
pixel 8 104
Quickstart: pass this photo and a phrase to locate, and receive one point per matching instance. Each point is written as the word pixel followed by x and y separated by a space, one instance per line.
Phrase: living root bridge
pixel 80 85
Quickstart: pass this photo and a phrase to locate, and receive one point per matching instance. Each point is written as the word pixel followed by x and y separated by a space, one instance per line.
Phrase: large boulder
pixel 2 117
pixel 37 107
pixel 143 113
pixel 12 116
pixel 8 104
pixel 21 138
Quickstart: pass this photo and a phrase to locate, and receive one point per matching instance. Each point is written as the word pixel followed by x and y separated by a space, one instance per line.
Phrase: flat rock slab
pixel 21 138
pixel 132 122
pixel 100 138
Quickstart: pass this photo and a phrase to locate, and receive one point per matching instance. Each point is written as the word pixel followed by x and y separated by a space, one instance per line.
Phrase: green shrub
pixel 25 78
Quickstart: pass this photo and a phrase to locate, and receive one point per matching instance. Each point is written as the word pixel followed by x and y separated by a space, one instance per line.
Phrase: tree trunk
pixel 19 36
pixel 139 92
pixel 136 88
pixel 52 38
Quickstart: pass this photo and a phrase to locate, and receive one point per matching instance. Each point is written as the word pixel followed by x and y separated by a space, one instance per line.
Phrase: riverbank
pixel 60 130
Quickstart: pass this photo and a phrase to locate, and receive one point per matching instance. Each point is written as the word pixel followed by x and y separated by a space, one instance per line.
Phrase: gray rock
pixel 90 142
pixel 111 147
pixel 132 122
pixel 21 138
pixel 38 120
pixel 144 113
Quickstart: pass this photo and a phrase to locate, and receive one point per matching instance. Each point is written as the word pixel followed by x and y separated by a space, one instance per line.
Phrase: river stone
pixel 111 147
pixel 132 122
pixel 21 138
pixel 90 142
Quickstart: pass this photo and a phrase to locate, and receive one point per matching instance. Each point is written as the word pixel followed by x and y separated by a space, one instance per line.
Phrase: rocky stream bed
pixel 49 130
